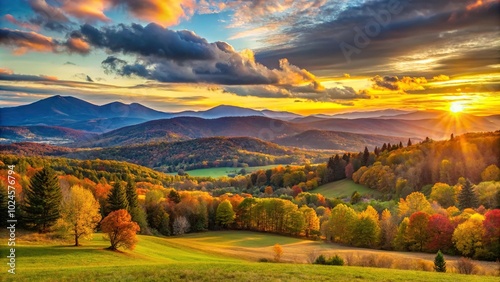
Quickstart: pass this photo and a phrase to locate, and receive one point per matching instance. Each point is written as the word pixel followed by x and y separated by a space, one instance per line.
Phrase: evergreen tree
pixel 467 198
pixel 117 199
pixel 400 144
pixel 174 196
pixel 384 147
pixel 132 197
pixel 439 262
pixel 366 156
pixel 338 168
pixel 42 201
pixel 409 143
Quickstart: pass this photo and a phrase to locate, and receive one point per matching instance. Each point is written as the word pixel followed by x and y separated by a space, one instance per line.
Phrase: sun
pixel 456 107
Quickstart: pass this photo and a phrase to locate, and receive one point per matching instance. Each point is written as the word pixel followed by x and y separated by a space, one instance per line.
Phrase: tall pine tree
pixel 117 198
pixel 42 201
pixel 132 197
pixel 366 157
pixel 467 198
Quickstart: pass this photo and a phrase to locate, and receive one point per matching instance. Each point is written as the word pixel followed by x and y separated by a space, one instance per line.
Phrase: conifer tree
pixel 439 262
pixel 467 198
pixel 42 202
pixel 409 143
pixel 117 199
pixel 132 197
pixel 366 156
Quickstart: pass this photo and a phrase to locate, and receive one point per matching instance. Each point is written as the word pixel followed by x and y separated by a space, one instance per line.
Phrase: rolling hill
pixel 204 152
pixel 334 140
pixel 185 128
pixel 214 256
pixel 47 134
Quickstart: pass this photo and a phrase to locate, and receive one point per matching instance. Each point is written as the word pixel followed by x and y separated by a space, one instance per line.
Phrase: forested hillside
pixel 418 167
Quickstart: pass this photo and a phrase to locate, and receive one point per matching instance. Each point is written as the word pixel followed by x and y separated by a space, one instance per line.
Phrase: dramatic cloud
pixel 166 55
pixel 49 17
pixel 336 95
pixel 26 41
pixel 399 84
pixel 77 45
pixel 23 41
pixel 410 38
pixel 55 16
pixel 182 56
pixel 26 25
pixel 163 12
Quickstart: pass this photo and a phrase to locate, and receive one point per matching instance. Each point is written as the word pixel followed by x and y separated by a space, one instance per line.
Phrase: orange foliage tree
pixel 120 229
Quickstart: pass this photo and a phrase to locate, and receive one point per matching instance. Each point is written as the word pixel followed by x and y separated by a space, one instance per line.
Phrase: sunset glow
pixel 245 54
pixel 456 107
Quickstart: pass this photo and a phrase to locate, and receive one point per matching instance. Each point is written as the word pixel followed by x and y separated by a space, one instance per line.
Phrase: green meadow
pixel 216 172
pixel 343 188
pixel 209 256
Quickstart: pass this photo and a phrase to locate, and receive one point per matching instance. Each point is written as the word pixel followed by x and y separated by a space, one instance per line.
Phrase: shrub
pixel 335 260
pixel 263 260
pixel 466 266
pixel 320 260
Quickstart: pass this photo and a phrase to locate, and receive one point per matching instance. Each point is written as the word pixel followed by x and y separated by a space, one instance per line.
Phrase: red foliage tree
pixel 491 226
pixel 296 190
pixel 440 230
pixel 120 229
pixel 416 233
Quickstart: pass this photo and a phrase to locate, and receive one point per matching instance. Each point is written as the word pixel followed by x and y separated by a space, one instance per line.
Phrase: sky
pixel 307 57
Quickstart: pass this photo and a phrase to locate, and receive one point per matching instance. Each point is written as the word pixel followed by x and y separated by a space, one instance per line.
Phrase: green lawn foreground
pixel 343 188
pixel 163 259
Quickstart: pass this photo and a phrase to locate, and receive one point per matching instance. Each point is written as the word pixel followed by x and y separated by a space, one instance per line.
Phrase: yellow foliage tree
pixel 278 252
pixel 80 213
pixel 491 173
pixel 468 236
pixel 414 202
pixel 311 219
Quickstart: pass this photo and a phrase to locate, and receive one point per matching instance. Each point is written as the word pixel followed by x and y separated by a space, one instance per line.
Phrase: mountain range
pixel 71 112
pixel 79 124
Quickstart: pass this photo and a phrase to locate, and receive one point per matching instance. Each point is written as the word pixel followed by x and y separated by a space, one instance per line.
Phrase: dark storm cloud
pixel 366 38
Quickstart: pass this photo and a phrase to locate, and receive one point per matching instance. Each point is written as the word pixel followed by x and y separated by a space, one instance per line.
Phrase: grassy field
pixel 343 188
pixel 210 256
pixel 216 172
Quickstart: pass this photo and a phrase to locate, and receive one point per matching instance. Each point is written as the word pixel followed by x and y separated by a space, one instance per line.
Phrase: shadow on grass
pixel 38 251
